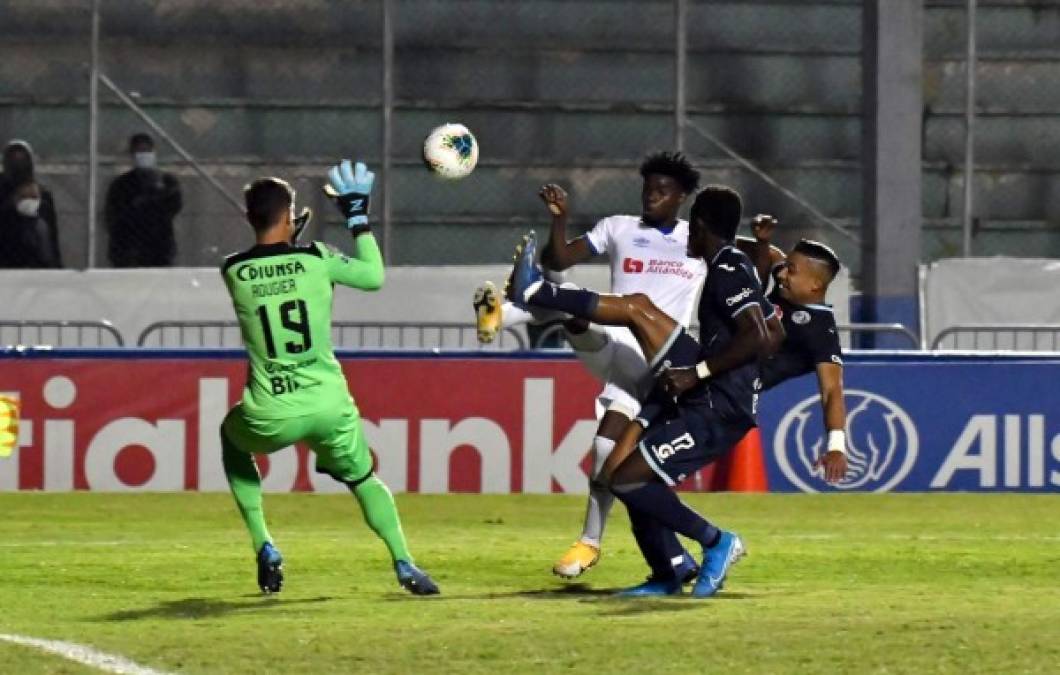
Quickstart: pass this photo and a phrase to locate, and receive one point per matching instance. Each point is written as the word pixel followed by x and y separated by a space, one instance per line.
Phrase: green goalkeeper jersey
pixel 282 295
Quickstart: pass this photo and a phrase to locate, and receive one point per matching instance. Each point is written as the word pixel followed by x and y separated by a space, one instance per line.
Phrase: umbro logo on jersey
pixel 727 268
pixel 641 242
pixel 632 266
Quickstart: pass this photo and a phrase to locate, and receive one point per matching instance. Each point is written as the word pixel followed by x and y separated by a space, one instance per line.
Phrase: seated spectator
pixel 29 236
pixel 139 210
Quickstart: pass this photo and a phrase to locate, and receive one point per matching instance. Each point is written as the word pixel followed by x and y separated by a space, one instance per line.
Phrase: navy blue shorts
pixel 680 351
pixel 680 443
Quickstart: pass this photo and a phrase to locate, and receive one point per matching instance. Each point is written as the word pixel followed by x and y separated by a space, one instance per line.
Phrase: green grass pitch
pixel 833 583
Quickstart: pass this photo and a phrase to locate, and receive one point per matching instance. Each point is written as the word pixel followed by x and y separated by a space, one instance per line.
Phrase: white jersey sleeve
pixel 601 236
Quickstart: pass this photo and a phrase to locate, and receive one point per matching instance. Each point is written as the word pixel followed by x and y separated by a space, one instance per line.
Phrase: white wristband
pixel 702 371
pixel 837 441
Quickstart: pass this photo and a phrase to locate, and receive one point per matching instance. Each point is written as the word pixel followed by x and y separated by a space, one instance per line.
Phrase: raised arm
pixel 363 270
pixel 350 187
pixel 760 249
pixel 559 253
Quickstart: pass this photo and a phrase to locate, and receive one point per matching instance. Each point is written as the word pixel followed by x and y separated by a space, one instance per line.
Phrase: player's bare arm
pixel 750 342
pixel 834 459
pixel 760 250
pixel 559 253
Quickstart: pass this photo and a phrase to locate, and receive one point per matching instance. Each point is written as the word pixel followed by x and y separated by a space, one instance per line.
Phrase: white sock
pixel 514 315
pixel 595 350
pixel 598 506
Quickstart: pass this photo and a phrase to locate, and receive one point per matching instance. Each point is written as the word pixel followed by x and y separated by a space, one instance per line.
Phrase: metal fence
pixel 344 334
pixel 987 337
pixel 407 335
pixel 60 334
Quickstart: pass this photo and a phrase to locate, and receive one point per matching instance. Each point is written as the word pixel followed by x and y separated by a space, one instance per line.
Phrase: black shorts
pixel 678 444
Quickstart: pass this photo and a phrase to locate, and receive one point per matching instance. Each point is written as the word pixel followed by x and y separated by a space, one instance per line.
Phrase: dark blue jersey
pixel 810 338
pixel 732 288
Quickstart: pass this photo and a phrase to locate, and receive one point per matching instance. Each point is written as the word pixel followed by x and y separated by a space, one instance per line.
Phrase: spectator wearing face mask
pixel 29 236
pixel 139 211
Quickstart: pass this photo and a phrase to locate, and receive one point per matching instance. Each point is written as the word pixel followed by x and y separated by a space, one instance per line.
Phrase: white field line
pixel 108 663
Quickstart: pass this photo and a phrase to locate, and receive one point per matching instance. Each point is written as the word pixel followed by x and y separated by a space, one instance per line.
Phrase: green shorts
pixel 335 437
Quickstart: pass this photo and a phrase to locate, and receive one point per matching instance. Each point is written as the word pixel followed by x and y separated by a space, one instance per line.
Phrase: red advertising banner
pixel 435 424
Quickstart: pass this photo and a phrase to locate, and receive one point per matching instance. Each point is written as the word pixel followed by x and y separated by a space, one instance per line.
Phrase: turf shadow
pixel 198 608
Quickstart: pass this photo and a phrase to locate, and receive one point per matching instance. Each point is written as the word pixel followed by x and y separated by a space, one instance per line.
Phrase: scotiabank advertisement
pixel 139 421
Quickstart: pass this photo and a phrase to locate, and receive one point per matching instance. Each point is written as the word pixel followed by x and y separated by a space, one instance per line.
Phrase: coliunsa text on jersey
pixel 269 270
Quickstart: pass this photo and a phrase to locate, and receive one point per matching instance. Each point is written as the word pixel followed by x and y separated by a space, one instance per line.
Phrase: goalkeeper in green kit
pixel 295 388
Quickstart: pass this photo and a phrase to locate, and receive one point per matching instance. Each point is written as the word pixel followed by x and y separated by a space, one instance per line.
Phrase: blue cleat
pixel 414 580
pixel 716 563
pixel 687 569
pixel 270 569
pixel 653 587
pixel 526 275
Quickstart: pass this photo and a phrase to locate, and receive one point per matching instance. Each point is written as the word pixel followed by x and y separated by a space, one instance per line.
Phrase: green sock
pixel 245 481
pixel 380 512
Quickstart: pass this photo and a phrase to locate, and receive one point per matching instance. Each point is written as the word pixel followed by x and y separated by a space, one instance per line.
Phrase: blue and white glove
pixel 350 187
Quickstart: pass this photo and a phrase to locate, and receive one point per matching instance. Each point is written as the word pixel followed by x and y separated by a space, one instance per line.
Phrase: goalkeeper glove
pixel 349 186
pixel 300 222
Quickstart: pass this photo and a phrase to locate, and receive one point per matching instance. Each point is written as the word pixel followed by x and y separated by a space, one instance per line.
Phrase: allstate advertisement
pixel 925 423
pixel 142 421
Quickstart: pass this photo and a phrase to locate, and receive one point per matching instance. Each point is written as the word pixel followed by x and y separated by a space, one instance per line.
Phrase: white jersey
pixel 651 261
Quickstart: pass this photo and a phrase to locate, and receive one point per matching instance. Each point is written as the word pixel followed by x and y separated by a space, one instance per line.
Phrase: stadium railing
pixel 402 335
pixel 60 333
pixel 1023 337
pixel 551 333
pixel 898 329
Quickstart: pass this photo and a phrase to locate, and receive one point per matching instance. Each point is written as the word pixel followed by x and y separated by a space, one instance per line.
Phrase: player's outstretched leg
pixel 650 325
pixel 245 482
pixel 493 314
pixel 380 513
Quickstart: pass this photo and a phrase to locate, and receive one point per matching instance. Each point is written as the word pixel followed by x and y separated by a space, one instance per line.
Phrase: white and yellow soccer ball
pixel 450 151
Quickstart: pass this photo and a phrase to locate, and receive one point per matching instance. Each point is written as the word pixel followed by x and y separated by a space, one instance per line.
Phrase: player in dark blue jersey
pixel 707 398
pixel 811 342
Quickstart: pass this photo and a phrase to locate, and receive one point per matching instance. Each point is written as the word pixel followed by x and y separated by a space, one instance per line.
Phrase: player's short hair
pixel 821 253
pixel 140 139
pixel 672 164
pixel 719 208
pixel 266 200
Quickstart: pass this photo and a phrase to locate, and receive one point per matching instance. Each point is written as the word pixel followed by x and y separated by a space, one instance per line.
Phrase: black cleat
pixel 270 569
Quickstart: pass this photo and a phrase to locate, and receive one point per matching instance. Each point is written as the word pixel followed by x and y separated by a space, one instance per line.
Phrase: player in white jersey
pixel 648 255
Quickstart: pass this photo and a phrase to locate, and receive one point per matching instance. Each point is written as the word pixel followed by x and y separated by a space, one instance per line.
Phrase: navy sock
pixel 650 537
pixel 662 504
pixel 672 546
pixel 574 301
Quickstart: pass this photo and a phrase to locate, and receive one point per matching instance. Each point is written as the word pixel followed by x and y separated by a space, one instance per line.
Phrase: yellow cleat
pixel 578 558
pixel 487 306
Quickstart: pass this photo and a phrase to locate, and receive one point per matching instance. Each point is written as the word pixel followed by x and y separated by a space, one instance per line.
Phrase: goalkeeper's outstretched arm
pixel 350 187
pixel 363 270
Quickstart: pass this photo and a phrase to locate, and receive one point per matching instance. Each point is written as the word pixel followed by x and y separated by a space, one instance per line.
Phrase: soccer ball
pixel 450 151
